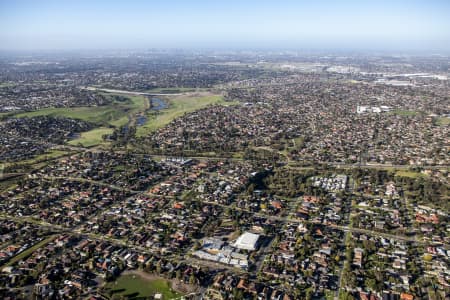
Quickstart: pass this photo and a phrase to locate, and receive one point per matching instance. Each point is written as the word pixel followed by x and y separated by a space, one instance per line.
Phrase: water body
pixel 73 135
pixel 140 120
pixel 158 104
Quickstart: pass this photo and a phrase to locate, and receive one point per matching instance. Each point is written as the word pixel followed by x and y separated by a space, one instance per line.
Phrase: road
pixel 293 164
pixel 264 251
pixel 6 176
pixel 54 228
pixel 99 183
pixel 336 297
pixel 334 226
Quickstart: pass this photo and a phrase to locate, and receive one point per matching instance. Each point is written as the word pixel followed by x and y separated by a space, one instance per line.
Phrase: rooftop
pixel 247 241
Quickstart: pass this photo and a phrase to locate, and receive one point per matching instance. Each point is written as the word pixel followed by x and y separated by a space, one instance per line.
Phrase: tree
pixel 350 279
pixel 371 283
pixel 345 296
pixel 197 245
pixel 308 293
pixel 158 267
pixel 238 294
pixel 251 188
pixel 192 279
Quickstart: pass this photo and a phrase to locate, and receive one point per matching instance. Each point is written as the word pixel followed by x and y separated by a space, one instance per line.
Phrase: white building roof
pixel 247 241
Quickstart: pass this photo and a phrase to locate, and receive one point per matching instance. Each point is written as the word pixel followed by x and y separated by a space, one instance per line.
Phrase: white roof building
pixel 247 241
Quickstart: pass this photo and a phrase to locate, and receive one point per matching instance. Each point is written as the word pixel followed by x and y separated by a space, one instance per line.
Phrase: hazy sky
pixel 312 24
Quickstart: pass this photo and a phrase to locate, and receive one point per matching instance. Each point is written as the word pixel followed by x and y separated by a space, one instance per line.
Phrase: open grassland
pixel 443 121
pixel 408 173
pixel 97 115
pixel 175 90
pixel 7 84
pixel 121 113
pixel 5 115
pixel 92 137
pixel 178 106
pixel 135 286
pixel 401 112
pixel 115 114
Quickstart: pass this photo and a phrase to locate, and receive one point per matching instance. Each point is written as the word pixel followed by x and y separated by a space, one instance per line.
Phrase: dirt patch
pixel 182 287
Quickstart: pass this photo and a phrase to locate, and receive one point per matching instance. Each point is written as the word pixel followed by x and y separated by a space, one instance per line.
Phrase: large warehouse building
pixel 247 241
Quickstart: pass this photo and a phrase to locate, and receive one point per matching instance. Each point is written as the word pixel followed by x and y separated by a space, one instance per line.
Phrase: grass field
pixel 7 84
pixel 5 115
pixel 98 115
pixel 43 157
pixel 401 112
pixel 178 106
pixel 175 90
pixel 92 137
pixel 115 114
pixel 443 121
pixel 118 114
pixel 407 173
pixel 135 286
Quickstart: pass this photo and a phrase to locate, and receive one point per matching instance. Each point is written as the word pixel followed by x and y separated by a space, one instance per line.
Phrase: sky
pixel 226 24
